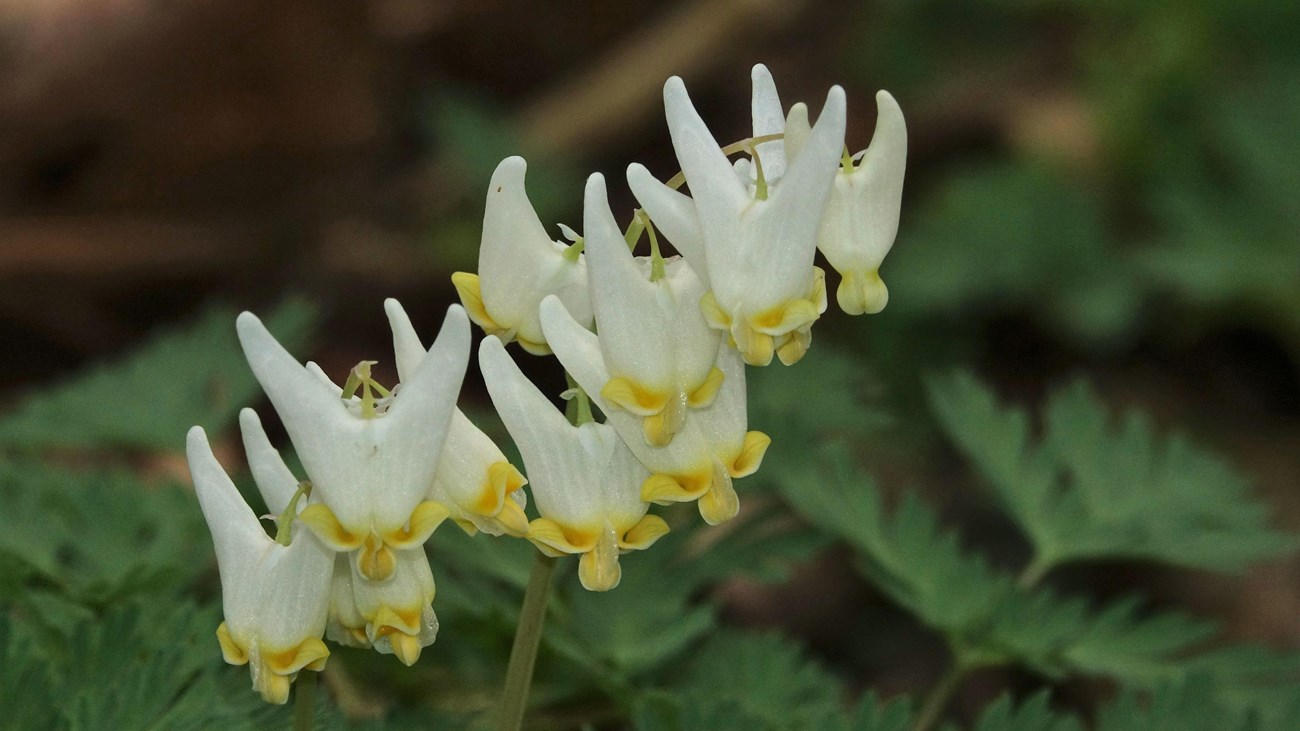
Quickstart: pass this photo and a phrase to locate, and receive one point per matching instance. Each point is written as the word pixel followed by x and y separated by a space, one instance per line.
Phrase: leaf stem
pixel 304 702
pixel 937 699
pixel 523 655
pixel 1033 573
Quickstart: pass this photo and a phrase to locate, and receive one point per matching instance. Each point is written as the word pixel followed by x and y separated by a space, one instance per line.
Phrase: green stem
pixel 1033 573
pixel 937 699
pixel 528 636
pixel 304 702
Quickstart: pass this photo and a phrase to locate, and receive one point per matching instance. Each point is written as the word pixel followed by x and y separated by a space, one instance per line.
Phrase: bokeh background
pixel 1105 189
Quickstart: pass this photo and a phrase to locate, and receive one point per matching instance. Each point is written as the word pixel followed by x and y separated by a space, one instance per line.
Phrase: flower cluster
pixel 659 344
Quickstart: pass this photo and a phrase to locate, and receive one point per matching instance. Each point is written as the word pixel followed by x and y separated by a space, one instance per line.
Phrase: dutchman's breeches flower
pixel 754 241
pixel 585 482
pixel 371 461
pixel 519 265
pixel 861 219
pixel 713 446
pixel 275 597
pixel 657 346
pixel 398 611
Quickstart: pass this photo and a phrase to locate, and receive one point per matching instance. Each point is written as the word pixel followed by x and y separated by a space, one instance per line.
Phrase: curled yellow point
pixel 862 292
pixel 554 539
pixel 598 568
pixel 703 396
pixel 231 651
pixel 717 318
pixel 406 648
pixel 389 621
pixel 751 454
pixel 513 519
pixel 789 316
pixel 533 347
pixel 466 525
pixel 642 535
pixel 425 518
pixel 310 653
pixel 274 688
pixel 720 503
pixel 794 345
pixel 633 397
pixel 320 520
pixel 755 348
pixel 471 296
pixel 375 560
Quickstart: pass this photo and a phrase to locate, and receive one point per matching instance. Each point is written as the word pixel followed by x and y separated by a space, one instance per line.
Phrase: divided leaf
pixel 1091 489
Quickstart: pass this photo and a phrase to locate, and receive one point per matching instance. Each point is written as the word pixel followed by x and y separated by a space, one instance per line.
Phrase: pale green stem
pixel 936 700
pixel 656 258
pixel 304 702
pixel 284 524
pixel 528 636
pixel 760 181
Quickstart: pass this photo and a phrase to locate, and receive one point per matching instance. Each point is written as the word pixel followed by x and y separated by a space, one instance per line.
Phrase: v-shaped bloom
pixel 371 465
pixel 713 446
pixel 861 219
pixel 474 480
pixel 275 598
pixel 657 346
pixel 585 482
pixel 519 265
pixel 752 240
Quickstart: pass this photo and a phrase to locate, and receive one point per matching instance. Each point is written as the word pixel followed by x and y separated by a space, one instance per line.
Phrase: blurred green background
pixel 1103 189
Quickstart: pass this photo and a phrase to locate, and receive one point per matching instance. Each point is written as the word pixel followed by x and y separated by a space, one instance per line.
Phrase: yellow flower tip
pixel 424 520
pixel 376 560
pixel 467 525
pixel 717 317
pixel 231 651
pixel 505 478
pixel 555 540
pixel 533 347
pixel 794 346
pixel 783 318
pixel 703 396
pixel 512 519
pixel 310 653
pixel 320 520
pixel 663 489
pixel 751 454
pixel 818 295
pixel 755 348
pixel 658 431
pixel 633 398
pixel 598 568
pixel 643 535
pixel 274 688
pixel 406 648
pixel 720 503
pixel 471 296
pixel 862 293
pixel 389 621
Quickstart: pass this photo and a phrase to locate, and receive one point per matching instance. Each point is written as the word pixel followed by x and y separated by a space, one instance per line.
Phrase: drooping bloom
pixel 752 239
pixel 275 598
pixel 394 616
pixel 861 219
pixel 713 446
pixel 658 348
pixel 585 482
pixel 371 464
pixel 474 480
pixel 519 265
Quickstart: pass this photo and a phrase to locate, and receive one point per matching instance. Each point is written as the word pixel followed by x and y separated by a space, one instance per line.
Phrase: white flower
pixel 585 482
pixel 754 241
pixel 713 446
pixel 518 265
pixel 370 468
pixel 657 346
pixel 474 480
pixel 274 597
pixel 861 219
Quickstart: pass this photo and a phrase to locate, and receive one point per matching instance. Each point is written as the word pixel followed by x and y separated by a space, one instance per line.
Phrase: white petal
pixel 635 333
pixel 408 351
pixel 694 342
pixel 672 212
pixel 236 534
pixel 797 130
pixel 769 119
pixel 725 422
pixel 274 479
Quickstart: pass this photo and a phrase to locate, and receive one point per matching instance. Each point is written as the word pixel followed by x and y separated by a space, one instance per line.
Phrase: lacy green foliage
pixel 739 681
pixel 1035 714
pixel 989 618
pixel 655 615
pixel 136 666
pixel 149 399
pixel 1194 705
pixel 93 538
pixel 1089 488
